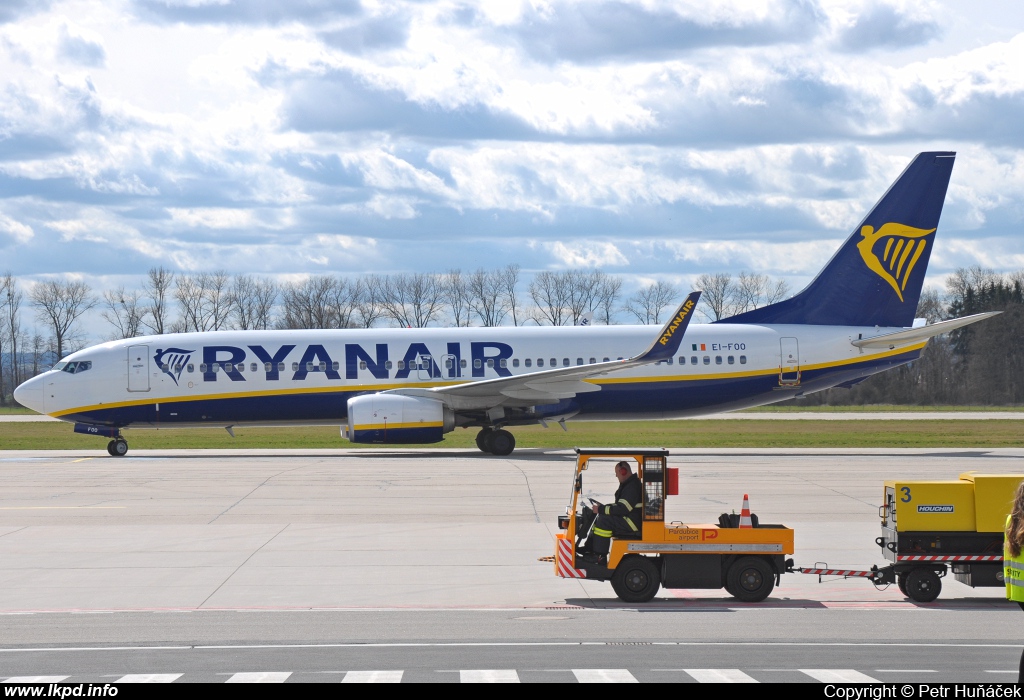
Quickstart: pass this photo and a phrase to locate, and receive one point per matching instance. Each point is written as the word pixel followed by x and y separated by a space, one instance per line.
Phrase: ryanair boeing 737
pixel 411 386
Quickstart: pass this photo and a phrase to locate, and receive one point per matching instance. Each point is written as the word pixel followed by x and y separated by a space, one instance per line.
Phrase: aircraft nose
pixel 30 394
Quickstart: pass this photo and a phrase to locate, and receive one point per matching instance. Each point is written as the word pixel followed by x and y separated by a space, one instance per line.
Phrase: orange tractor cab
pixel 744 558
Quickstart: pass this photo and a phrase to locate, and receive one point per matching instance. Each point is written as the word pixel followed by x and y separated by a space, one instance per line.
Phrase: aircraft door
pixel 789 362
pixel 138 368
pixel 423 367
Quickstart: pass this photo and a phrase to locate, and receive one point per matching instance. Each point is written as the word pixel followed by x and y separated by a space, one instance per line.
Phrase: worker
pixel 623 518
pixel 1013 559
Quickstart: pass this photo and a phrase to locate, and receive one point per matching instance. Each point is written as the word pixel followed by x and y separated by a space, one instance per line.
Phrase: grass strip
pixel 689 433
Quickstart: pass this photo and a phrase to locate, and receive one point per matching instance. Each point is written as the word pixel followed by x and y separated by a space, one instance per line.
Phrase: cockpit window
pixel 76 367
pixel 60 365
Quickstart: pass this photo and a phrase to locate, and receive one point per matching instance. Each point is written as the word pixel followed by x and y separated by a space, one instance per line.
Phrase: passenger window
pixel 515 363
pixel 253 367
pixel 707 360
pixel 280 367
pixel 310 368
pixel 540 361
pixel 266 367
pixel 462 364
pixel 189 368
pixel 490 363
pixel 448 364
pixel 528 362
pixel 401 364
pixel 565 362
pixel 732 360
pixel 387 365
pixel 593 360
pixel 295 367
pixel 503 363
pixel 693 359
pixel 743 359
pixel 579 360
pixel 362 364
pixel 323 366
pixel 718 359
pixel 335 366
pixel 202 368
pixel 606 360
pixel 216 367
pixel 669 360
pixel 477 364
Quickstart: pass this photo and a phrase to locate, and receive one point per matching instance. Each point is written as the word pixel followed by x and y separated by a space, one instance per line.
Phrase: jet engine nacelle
pixel 392 419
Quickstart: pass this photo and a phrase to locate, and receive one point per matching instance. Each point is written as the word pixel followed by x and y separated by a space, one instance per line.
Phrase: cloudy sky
pixel 656 140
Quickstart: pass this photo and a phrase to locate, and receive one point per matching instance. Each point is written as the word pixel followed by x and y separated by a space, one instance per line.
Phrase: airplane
pixel 413 386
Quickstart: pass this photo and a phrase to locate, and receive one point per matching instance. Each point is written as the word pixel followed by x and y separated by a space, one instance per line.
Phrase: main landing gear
pixel 118 447
pixel 496 442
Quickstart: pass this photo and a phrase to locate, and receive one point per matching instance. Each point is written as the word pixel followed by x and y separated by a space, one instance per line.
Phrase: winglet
pixel 667 342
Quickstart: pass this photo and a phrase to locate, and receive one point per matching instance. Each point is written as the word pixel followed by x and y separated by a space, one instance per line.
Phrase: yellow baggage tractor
pixel 746 561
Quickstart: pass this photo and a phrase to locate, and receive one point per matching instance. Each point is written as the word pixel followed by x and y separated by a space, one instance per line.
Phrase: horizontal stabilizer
pixel 915 335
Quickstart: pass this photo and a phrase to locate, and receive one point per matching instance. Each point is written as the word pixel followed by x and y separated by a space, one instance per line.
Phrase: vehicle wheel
pixel 481 439
pixel 901 581
pixel 120 447
pixel 501 443
pixel 750 579
pixel 110 448
pixel 923 585
pixel 636 579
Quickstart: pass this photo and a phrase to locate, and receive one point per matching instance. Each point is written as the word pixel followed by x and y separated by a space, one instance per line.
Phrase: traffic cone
pixel 745 514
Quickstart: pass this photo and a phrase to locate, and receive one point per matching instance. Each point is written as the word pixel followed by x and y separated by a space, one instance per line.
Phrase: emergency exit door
pixel 789 362
pixel 138 368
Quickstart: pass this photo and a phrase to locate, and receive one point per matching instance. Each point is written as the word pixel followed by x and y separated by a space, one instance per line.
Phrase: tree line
pixel 978 364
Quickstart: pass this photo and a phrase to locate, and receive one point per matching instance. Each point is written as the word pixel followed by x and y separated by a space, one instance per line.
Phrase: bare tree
pixel 251 300
pixel 157 287
pixel 551 297
pixel 930 306
pixel 647 303
pixel 412 300
pixel 974 277
pixel 718 294
pixel 61 304
pixel 510 284
pixel 752 291
pixel 308 304
pixel 456 296
pixel 204 300
pixel 488 297
pixel 124 311
pixel 607 291
pixel 11 299
pixel 368 309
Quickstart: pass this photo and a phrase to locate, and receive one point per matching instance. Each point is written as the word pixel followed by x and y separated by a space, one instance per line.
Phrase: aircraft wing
pixel 915 335
pixel 552 385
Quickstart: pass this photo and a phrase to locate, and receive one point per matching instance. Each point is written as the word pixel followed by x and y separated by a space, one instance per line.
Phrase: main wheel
pixel 923 585
pixel 110 448
pixel 481 439
pixel 118 447
pixel 750 579
pixel 636 579
pixel 901 581
pixel 501 443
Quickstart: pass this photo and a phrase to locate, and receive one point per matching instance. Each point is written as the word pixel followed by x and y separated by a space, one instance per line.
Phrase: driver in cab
pixel 623 518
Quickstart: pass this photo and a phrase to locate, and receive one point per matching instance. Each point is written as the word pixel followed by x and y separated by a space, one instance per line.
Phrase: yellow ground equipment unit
pixel 746 561
pixel 928 526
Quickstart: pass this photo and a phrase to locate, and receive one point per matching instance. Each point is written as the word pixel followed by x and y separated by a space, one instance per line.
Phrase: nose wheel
pixel 118 447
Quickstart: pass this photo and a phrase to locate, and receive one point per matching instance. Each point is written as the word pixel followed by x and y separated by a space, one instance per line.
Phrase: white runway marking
pixel 600 675
pixel 500 676
pixel 719 675
pixel 373 677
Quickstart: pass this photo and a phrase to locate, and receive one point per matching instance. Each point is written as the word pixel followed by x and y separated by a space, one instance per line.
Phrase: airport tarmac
pixel 432 557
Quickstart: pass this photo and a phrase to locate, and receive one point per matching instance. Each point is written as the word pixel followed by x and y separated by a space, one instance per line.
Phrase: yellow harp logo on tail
pixel 892 251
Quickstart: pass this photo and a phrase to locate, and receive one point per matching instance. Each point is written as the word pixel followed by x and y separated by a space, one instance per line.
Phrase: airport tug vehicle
pixel 930 527
pixel 745 560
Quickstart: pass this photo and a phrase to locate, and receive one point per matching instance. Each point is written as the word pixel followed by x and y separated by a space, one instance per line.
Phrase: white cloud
pixel 15 229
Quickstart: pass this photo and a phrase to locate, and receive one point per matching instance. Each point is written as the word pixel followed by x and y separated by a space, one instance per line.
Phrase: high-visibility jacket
pixel 1013 571
pixel 629 503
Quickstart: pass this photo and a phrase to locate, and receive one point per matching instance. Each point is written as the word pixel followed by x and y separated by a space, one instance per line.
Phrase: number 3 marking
pixel 906 494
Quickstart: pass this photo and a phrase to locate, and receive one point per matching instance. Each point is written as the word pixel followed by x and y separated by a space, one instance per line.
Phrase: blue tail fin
pixel 876 277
